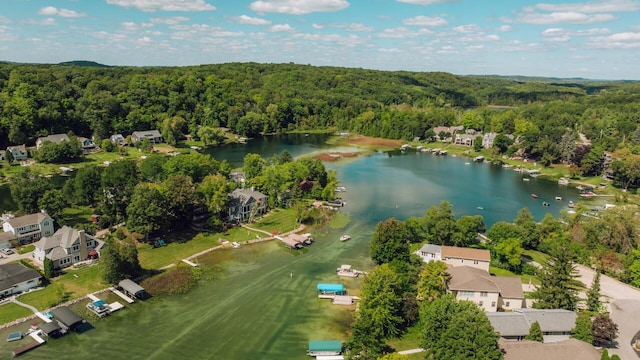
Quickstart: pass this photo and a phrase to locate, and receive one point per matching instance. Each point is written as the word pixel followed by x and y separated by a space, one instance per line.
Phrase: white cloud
pixel 505 28
pixel 46 21
pixel 281 28
pixel 563 18
pixel 350 40
pixel 51 11
pixel 390 51
pixel 164 5
pixel 402 32
pixel 357 27
pixel 474 47
pixel 593 7
pixel 466 29
pixel 560 34
pixel 170 20
pixel 248 20
pixel 427 2
pixel 625 40
pixel 298 7
pixel 318 26
pixel 422 20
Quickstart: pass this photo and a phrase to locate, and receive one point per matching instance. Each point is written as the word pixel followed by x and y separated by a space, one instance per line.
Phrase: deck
pixel 123 296
pixel 23 349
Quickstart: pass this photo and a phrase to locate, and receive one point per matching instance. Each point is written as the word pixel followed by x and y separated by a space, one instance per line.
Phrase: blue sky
pixel 590 39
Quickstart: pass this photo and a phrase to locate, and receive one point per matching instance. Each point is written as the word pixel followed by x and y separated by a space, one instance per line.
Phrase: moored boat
pixel 535 196
pixel 345 237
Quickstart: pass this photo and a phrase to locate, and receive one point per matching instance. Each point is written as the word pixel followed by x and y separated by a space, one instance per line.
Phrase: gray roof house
pixel 244 204
pixel 55 138
pixel 66 247
pixel 118 139
pixel 30 227
pixel 556 324
pixel 17 278
pixel 19 152
pixel 153 136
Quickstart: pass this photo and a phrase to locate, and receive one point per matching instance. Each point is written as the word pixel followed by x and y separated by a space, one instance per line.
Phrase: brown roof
pixel 26 220
pixel 510 287
pixel 471 279
pixel 18 147
pixel 570 349
pixel 465 253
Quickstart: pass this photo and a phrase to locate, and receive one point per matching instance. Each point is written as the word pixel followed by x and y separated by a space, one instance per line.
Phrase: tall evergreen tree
pixel 593 294
pixel 535 333
pixel 582 330
pixel 559 286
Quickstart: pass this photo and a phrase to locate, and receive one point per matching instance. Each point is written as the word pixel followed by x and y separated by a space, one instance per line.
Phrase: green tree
pixel 501 143
pixel 47 266
pixel 180 192
pixel 535 333
pixel 118 182
pixel 87 185
pixel 119 260
pixel 433 281
pixel 390 242
pixel 108 146
pixel 152 168
pixel 593 294
pixel 605 355
pixel 253 165
pixel 172 129
pixel 582 330
pixel 529 228
pixel 211 135
pixel 467 229
pixel 604 330
pixel 559 286
pixel 193 164
pixel 147 211
pixel 509 252
pixel 53 202
pixel 439 224
pixel 27 188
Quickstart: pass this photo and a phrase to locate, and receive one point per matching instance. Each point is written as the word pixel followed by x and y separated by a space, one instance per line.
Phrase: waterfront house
pixel 118 140
pixel 66 247
pixel 29 228
pixel 19 152
pixel 446 133
pixel 153 136
pixel 491 293
pixel 86 143
pixel 456 256
pixel 67 319
pixel 244 204
pixel 17 278
pixel 55 138
pixel 465 139
pixel 556 324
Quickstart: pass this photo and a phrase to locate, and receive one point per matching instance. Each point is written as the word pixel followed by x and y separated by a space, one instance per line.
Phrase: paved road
pixel 14 257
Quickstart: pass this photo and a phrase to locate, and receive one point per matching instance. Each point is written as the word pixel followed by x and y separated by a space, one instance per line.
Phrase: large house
pixel 445 133
pixel 456 256
pixel 29 228
pixel 17 278
pixel 153 136
pixel 19 152
pixel 491 293
pixel 244 204
pixel 556 324
pixel 66 247
pixel 55 138
pixel 118 139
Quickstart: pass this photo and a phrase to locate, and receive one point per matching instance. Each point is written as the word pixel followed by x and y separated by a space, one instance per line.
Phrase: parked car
pixel 7 251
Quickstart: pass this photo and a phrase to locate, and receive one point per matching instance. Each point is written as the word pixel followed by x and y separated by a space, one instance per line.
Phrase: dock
pixel 43 317
pixel 339 299
pixel 113 307
pixel 346 271
pixel 190 263
pixel 123 296
pixel 23 349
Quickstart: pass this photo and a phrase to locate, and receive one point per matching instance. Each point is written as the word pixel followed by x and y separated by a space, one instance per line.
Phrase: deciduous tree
pixel 390 242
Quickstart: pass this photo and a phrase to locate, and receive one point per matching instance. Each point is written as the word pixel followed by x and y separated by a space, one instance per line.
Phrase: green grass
pixel 408 341
pixel 10 312
pixel 536 256
pixel 281 220
pixel 76 215
pixel 26 249
pixel 525 279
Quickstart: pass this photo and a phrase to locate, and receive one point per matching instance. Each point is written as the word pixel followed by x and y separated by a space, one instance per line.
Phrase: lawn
pixel 10 312
pixel 72 216
pixel 281 220
pixel 536 256
pixel 525 279
pixel 408 341
pixel 26 249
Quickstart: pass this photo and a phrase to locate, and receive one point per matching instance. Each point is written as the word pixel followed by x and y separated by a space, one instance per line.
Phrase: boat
pixel 235 244
pixel 563 181
pixel 340 189
pixel 535 196
pixel 525 179
pixel 480 208
pixel 346 271
pixel 479 158
pixel 558 198
pixel 588 194
pixel 545 203
pixel 345 237
pixel 467 163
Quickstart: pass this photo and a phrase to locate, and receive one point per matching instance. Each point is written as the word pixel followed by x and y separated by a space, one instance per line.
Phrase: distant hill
pixel 83 63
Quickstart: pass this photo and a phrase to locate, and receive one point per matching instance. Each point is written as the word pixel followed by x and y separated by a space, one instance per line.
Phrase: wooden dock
pixel 23 349
pixel 123 296
pixel 190 263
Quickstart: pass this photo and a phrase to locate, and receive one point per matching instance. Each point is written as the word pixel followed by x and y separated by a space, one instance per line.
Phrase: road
pixel 14 257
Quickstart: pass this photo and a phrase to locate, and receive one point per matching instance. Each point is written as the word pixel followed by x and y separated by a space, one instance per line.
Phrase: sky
pixel 589 39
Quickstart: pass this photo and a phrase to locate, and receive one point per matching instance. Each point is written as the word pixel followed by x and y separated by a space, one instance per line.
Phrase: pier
pixel 23 349
pixel 123 296
pixel 189 262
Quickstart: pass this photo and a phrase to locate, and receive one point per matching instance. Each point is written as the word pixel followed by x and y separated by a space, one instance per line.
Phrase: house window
pixel 465 293
pixel 506 303
pixel 480 303
pixel 475 262
pixel 493 304
pixel 483 293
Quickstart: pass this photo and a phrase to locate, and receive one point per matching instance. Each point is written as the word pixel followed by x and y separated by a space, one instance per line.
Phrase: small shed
pixel 336 289
pixel 67 319
pixel 325 348
pixel 132 289
pixel 51 329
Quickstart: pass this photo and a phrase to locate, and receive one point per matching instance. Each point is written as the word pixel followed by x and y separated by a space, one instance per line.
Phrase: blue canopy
pixel 99 303
pixel 337 288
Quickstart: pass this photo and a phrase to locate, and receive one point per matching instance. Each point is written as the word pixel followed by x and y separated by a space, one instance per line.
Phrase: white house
pixel 66 247
pixel 153 136
pixel 29 228
pixel 55 138
pixel 491 293
pixel 456 256
pixel 19 152
pixel 17 278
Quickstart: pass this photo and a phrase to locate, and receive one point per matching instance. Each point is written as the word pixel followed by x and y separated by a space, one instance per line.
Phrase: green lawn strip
pixel 536 256
pixel 282 220
pixel 10 312
pixel 26 249
pixel 409 340
pixel 72 216
pixel 525 279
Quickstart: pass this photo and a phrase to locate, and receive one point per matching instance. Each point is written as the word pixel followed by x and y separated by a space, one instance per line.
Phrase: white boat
pixel 563 181
pixel 525 179
pixel 345 237
pixel 235 244
pixel 558 197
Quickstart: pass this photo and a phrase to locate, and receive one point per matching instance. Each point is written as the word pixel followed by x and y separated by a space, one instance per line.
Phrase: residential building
pixel 490 293
pixel 17 278
pixel 571 349
pixel 447 131
pixel 86 143
pixel 153 136
pixel 19 152
pixel 487 140
pixel 118 139
pixel 430 252
pixel 466 139
pixel 66 247
pixel 55 138
pixel 244 204
pixel 456 256
pixel 29 228
pixel 556 324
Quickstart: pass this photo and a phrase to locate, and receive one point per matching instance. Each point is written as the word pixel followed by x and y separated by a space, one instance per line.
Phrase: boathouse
pixel 324 348
pixel 331 289
pixel 51 329
pixel 132 289
pixel 67 319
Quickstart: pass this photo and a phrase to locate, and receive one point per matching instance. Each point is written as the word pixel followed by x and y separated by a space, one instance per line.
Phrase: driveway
pixel 624 306
pixel 14 257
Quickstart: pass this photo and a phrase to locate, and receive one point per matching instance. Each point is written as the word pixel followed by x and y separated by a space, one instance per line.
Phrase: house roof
pixel 467 278
pixel 7 235
pixel 62 239
pixel 431 249
pixel 146 133
pixel 21 221
pixel 510 287
pixel 131 287
pixel 465 253
pixel 570 349
pixel 64 315
pixel 22 148
pixel 49 328
pixel 550 319
pixel 509 323
pixel 245 196
pixel 55 138
pixel 13 274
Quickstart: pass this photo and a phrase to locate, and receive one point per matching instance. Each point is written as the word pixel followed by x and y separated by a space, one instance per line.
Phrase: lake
pixel 262 300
